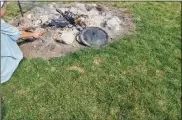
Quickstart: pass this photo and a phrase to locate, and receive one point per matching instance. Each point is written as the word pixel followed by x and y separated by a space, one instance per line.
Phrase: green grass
pixel 12 10
pixel 135 78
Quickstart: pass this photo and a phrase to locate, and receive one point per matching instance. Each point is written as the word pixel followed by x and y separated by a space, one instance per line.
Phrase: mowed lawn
pixel 134 78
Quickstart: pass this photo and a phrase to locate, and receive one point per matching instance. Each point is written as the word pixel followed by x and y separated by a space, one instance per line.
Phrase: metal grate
pixel 26 5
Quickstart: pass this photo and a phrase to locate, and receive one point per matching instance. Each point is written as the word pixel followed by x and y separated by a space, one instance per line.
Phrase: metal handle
pixel 20 8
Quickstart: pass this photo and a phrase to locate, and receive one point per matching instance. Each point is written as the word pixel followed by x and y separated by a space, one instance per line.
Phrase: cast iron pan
pixel 93 37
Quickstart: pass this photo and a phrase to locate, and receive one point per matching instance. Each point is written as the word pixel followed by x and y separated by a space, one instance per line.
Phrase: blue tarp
pixel 11 55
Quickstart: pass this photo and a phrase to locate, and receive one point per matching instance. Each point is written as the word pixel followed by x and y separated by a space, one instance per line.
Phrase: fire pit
pixel 60 40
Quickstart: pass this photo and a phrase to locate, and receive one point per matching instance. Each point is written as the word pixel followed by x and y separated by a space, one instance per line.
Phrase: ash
pixel 62 40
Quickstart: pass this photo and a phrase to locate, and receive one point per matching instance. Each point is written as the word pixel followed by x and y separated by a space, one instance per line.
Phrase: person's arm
pixel 32 34
pixel 16 34
pixel 29 34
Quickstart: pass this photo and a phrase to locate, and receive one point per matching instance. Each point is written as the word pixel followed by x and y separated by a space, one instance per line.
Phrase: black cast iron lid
pixel 93 36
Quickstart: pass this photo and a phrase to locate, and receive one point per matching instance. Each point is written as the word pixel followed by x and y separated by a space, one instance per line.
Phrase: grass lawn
pixel 134 78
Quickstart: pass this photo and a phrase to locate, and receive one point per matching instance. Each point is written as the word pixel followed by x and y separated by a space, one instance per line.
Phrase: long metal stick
pixel 20 8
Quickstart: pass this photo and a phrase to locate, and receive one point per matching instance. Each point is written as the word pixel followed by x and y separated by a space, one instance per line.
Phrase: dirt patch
pixel 159 74
pixel 78 68
pixel 20 92
pixel 97 60
pixel 60 41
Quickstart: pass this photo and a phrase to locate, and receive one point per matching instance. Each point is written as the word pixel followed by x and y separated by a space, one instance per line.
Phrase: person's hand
pixel 37 35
